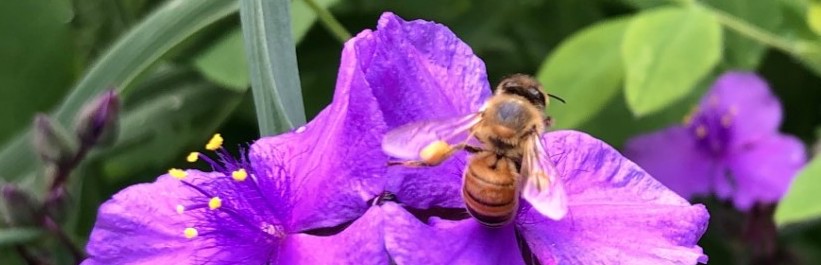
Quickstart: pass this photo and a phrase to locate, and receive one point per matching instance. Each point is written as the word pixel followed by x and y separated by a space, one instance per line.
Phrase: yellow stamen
pixel 192 157
pixel 688 118
pixel 214 203
pixel 727 120
pixel 701 131
pixel 177 173
pixel 180 208
pixel 190 232
pixel 239 175
pixel 215 142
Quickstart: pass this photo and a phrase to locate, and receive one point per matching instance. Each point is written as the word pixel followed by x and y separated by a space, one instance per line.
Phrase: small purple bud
pixel 52 142
pixel 97 121
pixel 19 207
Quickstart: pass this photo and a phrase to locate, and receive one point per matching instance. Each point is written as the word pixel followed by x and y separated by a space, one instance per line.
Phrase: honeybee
pixel 508 158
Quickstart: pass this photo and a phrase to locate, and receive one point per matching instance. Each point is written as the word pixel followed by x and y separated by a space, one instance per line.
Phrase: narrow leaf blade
pixel 270 50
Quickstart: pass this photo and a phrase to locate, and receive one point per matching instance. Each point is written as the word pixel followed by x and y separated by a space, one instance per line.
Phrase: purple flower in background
pixel 322 194
pixel 730 146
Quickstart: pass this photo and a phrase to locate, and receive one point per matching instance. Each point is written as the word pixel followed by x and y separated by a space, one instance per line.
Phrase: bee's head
pixel 523 86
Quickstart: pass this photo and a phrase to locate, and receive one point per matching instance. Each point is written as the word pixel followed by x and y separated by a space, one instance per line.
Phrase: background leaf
pixel 666 51
pixel 569 74
pixel 224 63
pixel 742 52
pixel 800 204
pixel 34 72
pixel 270 49
pixel 130 56
pixel 11 236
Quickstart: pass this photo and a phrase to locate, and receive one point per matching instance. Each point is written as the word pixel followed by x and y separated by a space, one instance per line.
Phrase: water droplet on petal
pixel 300 129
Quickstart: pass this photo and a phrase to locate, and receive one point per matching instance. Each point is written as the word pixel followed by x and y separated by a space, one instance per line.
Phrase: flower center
pixel 711 126
pixel 224 206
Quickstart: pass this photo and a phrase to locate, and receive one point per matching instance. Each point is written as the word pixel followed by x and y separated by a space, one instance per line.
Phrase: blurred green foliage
pixel 625 67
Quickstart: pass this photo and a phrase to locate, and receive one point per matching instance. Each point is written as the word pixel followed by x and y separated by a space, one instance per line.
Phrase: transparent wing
pixel 543 187
pixel 406 141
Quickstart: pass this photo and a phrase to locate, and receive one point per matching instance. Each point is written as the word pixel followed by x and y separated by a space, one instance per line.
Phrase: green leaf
pixel 569 73
pixel 666 51
pixel 743 52
pixel 160 129
pixel 270 50
pixel 38 60
pixel 224 63
pixel 800 204
pixel 814 17
pixel 15 235
pixel 129 57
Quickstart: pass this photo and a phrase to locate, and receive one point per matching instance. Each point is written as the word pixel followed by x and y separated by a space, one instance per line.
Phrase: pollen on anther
pixel 214 203
pixel 193 157
pixel 180 208
pixel 727 120
pixel 239 174
pixel 190 232
pixel 701 131
pixel 215 142
pixel 177 173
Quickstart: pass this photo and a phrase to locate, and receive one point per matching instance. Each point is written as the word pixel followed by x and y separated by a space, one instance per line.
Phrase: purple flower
pixel 730 146
pixel 322 194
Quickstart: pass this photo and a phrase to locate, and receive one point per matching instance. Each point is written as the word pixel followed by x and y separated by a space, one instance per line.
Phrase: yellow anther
pixel 192 157
pixel 190 232
pixel 215 142
pixel 239 174
pixel 214 203
pixel 177 173
pixel 435 152
pixel 727 120
pixel 688 118
pixel 701 131
pixel 180 208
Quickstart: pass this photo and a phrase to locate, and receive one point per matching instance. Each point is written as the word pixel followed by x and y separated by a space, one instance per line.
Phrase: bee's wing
pixel 543 187
pixel 406 141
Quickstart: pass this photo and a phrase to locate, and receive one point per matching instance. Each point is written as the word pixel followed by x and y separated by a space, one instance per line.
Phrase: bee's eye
pixel 534 91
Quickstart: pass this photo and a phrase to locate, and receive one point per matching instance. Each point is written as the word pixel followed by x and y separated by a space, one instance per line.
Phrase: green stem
pixel 329 21
pixel 751 31
pixel 744 28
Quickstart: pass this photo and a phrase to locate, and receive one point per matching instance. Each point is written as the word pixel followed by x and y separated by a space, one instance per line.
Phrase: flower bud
pixel 97 121
pixel 19 208
pixel 52 142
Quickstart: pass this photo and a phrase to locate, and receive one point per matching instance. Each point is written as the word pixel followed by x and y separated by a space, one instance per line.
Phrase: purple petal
pixel 141 225
pixel 410 241
pixel 673 158
pixel 744 99
pixel 420 70
pixel 618 214
pixel 763 171
pixel 360 243
pixel 338 151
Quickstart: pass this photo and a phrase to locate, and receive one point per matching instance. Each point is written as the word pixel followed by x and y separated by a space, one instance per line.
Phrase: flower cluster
pixel 322 194
pixel 729 146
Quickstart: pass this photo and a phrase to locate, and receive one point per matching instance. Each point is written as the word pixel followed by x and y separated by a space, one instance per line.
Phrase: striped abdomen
pixel 489 189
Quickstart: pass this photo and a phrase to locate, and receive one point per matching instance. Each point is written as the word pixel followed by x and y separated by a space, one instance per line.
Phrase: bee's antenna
pixel 557 98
